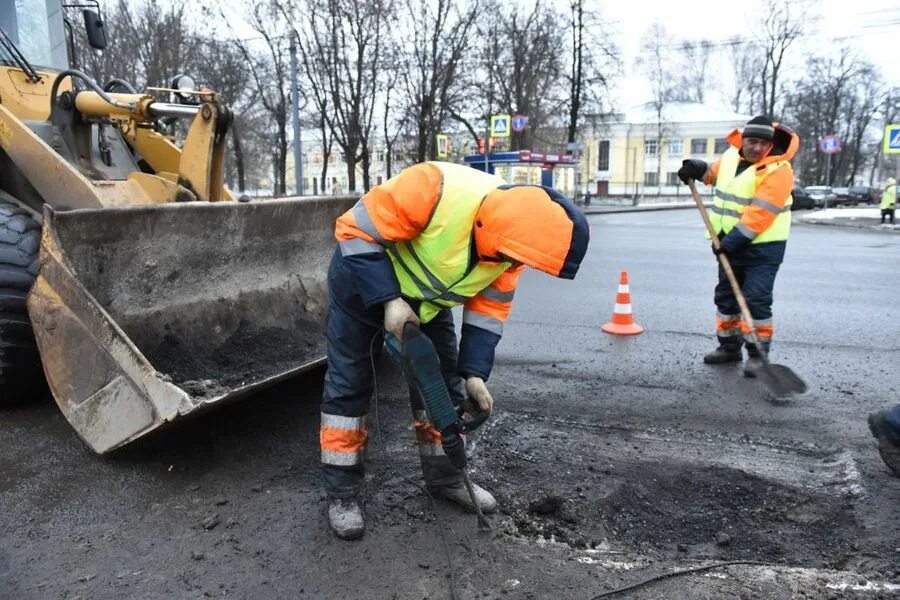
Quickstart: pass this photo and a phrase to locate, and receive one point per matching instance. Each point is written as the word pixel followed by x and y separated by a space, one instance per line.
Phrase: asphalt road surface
pixel 615 459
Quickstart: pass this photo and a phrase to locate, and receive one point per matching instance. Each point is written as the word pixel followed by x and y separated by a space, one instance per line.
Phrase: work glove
pixel 479 394
pixel 692 168
pixel 398 313
pixel 719 251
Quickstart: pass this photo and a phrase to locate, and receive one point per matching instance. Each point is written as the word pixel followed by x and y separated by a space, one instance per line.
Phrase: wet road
pixel 614 458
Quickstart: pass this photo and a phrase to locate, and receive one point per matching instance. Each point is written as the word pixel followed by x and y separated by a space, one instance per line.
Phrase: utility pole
pixel 295 120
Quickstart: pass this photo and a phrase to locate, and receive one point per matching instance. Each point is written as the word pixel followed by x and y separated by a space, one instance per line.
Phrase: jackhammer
pixel 416 358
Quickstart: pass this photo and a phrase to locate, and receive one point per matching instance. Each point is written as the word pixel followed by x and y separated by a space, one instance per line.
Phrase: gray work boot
pixel 458 494
pixel 889 451
pixel 753 364
pixel 345 518
pixel 722 355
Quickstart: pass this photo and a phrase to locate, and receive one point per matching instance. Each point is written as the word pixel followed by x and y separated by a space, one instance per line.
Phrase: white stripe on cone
pixel 622 309
pixel 623 288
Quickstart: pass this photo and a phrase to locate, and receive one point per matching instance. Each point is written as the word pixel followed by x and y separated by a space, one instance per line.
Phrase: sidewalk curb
pixel 607 210
pixel 831 223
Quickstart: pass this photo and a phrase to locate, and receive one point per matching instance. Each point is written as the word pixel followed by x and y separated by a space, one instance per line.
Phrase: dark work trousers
pixel 887 212
pixel 349 382
pixel 757 283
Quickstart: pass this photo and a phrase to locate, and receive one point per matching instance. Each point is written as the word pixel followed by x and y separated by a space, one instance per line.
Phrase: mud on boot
pixel 458 494
pixel 722 355
pixel 345 518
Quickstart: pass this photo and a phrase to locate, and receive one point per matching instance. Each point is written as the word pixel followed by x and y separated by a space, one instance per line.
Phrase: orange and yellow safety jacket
pixel 443 235
pixel 751 202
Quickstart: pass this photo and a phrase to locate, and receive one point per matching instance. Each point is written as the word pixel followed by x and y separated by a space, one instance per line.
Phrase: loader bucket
pixel 145 315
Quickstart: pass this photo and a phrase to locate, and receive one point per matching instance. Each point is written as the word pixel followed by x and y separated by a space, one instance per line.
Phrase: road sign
pixel 892 139
pixel 830 144
pixel 443 145
pixel 500 126
pixel 519 122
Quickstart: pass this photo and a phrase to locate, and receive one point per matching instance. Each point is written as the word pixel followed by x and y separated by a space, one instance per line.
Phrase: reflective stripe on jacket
pixel 735 203
pixel 436 266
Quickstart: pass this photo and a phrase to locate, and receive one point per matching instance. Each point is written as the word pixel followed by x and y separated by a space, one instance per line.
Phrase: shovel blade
pixel 781 381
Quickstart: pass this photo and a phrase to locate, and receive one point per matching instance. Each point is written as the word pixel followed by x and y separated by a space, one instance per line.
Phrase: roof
pixel 680 112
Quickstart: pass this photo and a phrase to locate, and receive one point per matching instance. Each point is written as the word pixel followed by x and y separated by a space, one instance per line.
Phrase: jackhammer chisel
pixel 416 358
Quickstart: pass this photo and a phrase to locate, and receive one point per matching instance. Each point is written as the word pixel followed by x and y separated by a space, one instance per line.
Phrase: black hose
pixel 451 570
pixel 112 84
pixel 671 574
pixel 76 74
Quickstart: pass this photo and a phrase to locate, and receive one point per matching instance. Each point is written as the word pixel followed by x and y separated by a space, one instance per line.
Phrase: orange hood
pixel 534 225
pixel 784 145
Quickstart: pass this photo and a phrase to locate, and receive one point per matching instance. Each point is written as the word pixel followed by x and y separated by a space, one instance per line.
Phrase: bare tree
pixel 839 95
pixel 594 58
pixel 341 42
pixel 745 58
pixel 781 27
pixel 267 57
pixel 692 75
pixel 656 63
pixel 440 37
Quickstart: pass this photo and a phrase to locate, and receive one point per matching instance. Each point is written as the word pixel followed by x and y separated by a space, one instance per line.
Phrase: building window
pixel 672 178
pixel 651 178
pixel 721 145
pixel 676 147
pixel 698 146
pixel 603 156
pixel 651 147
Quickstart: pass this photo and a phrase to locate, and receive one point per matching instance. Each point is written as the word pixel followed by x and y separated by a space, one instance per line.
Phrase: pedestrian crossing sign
pixel 892 139
pixel 500 126
pixel 443 145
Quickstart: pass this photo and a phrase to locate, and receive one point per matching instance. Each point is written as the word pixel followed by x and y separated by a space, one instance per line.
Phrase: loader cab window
pixel 36 27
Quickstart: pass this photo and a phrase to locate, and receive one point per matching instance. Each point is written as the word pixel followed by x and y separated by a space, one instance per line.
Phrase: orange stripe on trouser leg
pixel 343 440
pixel 765 331
pixel 728 325
pixel 426 434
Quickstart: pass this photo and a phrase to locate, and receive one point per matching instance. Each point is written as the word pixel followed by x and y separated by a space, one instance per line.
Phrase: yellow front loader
pixel 127 270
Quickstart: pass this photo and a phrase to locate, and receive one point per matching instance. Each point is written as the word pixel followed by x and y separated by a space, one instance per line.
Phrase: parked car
pixel 822 195
pixel 802 199
pixel 843 196
pixel 863 195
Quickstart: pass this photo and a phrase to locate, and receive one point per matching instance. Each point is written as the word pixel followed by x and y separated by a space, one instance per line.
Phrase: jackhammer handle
pixel 477 420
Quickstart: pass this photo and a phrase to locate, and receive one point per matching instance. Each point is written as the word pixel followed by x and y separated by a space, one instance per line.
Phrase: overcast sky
pixel 872 27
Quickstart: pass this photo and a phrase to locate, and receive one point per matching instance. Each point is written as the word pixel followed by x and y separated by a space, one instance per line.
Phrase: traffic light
pixel 492 141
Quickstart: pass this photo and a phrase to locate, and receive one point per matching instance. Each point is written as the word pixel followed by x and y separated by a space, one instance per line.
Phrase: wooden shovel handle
pixel 729 273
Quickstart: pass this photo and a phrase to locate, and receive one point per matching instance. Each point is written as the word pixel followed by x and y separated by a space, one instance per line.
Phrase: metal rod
pixel 164 109
pixel 483 523
pixel 295 121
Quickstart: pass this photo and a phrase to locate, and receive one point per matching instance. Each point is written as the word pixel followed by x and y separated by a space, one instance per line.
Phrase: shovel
pixel 780 380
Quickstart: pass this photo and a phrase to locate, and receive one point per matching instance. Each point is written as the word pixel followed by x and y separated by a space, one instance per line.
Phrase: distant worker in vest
pixel 889 199
pixel 751 213
pixel 435 236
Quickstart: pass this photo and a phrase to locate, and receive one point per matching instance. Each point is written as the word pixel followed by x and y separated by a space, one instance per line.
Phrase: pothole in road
pixel 671 493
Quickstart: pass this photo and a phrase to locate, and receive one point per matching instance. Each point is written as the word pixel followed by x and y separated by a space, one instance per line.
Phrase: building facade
pixel 637 154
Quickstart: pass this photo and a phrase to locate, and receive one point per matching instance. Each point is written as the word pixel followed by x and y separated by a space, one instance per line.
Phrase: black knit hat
pixel 759 127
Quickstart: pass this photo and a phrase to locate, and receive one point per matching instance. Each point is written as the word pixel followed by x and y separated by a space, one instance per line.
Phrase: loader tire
pixel 21 376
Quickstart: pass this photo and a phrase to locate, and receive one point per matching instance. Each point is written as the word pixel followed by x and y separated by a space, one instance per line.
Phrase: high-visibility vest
pixel 889 197
pixel 434 266
pixel 734 194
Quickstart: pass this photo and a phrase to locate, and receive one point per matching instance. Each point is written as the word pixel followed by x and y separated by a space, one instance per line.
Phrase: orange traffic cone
pixel 622 322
